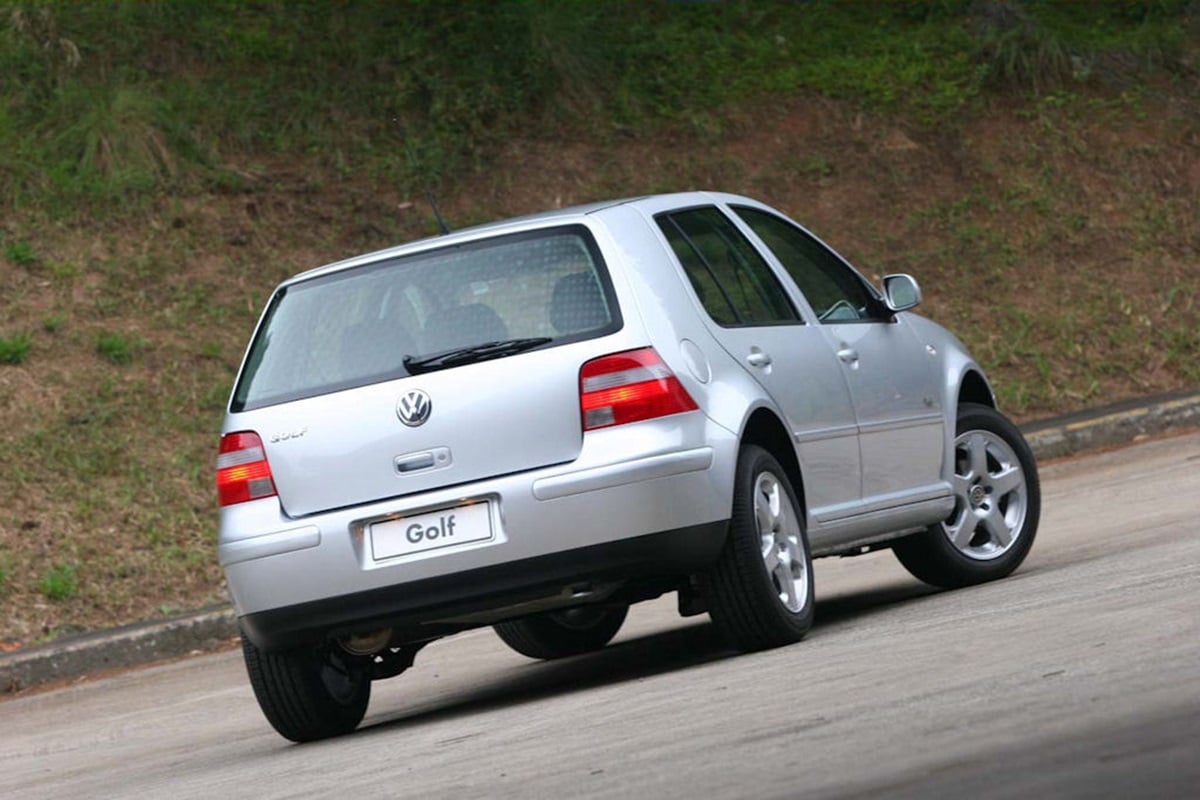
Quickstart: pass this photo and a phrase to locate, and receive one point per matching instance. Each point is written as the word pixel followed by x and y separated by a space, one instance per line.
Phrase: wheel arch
pixel 974 388
pixel 764 428
pixel 966 384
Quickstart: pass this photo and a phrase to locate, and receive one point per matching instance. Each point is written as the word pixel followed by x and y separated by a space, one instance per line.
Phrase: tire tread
pixel 930 558
pixel 742 607
pixel 541 637
pixel 294 699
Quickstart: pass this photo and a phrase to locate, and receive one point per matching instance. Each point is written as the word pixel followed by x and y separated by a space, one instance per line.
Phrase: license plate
pixel 437 530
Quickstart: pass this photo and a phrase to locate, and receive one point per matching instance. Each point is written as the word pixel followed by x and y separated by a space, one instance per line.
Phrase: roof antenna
pixel 441 222
pixel 412 160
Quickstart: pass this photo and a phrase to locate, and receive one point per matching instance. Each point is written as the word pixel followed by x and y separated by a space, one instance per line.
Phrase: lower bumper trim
pixel 434 607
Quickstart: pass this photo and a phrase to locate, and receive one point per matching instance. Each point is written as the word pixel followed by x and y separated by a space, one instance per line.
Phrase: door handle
pixel 758 358
pixel 848 355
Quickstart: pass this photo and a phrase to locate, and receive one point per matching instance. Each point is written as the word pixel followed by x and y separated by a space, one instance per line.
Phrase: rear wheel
pixel 997 503
pixel 309 694
pixel 760 592
pixel 556 634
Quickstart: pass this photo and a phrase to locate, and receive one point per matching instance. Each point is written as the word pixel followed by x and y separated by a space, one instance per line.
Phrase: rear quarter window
pixel 731 279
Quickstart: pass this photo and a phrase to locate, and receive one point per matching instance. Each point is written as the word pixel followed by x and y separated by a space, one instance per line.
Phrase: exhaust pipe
pixel 366 644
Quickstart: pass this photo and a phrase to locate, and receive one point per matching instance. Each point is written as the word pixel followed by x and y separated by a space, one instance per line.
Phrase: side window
pixel 731 279
pixel 835 292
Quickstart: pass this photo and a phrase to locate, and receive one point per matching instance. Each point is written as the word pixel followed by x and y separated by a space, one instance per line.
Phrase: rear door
pixel 753 319
pixel 345 384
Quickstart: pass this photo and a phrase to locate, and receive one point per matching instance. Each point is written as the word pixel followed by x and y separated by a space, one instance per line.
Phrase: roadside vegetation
pixel 1036 165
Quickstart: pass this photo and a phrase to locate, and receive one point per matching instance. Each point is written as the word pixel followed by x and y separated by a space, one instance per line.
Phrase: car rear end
pixel 461 431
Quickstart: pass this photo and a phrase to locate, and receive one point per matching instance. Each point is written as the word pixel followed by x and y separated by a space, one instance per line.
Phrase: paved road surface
pixel 1078 676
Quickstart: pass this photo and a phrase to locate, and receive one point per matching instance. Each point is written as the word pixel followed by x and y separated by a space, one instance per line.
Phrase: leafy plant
pixel 111 136
pixel 60 582
pixel 1018 51
pixel 116 347
pixel 20 253
pixel 14 349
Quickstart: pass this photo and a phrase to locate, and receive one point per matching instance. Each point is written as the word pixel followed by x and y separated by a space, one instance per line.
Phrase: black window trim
pixel 707 268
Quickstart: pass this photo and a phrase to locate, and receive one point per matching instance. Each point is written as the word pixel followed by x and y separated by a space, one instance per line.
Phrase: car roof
pixel 557 216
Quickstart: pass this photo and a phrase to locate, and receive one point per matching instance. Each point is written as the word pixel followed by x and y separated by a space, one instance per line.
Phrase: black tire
pixel 309 694
pixel 557 634
pixel 964 549
pixel 752 607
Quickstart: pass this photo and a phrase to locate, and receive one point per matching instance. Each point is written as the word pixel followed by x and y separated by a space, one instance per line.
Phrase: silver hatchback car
pixel 535 423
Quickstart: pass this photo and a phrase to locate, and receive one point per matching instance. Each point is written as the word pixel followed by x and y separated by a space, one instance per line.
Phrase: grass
pixel 1049 221
pixel 60 582
pixel 14 349
pixel 117 348
pixel 115 103
pixel 20 253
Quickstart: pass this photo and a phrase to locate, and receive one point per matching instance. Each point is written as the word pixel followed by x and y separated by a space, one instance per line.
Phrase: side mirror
pixel 901 292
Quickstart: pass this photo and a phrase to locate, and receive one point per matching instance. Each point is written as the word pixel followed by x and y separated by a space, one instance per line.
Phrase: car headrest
pixel 577 304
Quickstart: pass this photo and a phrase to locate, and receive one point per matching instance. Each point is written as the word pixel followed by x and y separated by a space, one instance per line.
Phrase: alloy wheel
pixel 990 496
pixel 782 546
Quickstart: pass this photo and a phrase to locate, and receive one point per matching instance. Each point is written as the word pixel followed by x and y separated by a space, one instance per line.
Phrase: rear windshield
pixel 537 289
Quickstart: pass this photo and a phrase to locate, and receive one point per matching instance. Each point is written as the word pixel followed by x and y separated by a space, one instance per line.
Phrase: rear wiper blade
pixel 469 355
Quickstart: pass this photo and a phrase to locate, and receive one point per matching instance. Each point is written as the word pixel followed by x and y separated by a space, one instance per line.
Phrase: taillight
pixel 242 469
pixel 629 387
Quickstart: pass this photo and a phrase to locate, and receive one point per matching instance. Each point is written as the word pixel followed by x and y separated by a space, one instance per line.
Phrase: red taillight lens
pixel 242 469
pixel 629 387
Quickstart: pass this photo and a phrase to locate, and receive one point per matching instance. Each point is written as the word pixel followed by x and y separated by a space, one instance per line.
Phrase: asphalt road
pixel 1077 677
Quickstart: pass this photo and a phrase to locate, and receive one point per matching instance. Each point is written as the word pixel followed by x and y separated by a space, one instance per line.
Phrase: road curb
pixel 142 643
pixel 128 646
pixel 1115 424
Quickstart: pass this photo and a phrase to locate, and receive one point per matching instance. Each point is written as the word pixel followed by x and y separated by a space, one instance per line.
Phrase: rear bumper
pixel 668 480
pixel 442 605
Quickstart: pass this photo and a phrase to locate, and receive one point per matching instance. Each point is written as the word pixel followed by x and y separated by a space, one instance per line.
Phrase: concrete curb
pixel 1119 423
pixel 127 646
pixel 142 643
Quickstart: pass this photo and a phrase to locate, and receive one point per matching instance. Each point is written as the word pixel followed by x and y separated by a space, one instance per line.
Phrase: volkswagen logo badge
pixel 413 408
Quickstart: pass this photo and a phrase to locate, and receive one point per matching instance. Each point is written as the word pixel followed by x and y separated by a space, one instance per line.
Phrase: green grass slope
pixel 163 164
